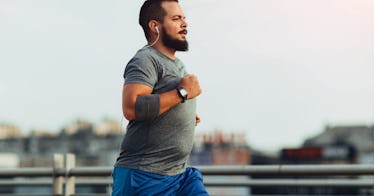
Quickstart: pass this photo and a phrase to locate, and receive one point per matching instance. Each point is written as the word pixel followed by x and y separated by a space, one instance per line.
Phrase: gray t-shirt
pixel 161 145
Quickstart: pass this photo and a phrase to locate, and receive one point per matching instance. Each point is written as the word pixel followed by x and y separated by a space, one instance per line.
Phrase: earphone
pixel 158 36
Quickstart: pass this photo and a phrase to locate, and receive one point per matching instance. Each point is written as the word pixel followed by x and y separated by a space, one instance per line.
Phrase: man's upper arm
pixel 129 95
pixel 140 78
pixel 141 71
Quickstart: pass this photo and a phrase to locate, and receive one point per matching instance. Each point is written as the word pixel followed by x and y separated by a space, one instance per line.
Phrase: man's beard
pixel 178 45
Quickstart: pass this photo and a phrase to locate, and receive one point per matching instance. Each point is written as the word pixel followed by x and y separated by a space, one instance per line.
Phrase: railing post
pixel 58 163
pixel 70 180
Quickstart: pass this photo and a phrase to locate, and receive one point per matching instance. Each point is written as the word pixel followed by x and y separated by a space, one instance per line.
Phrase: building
pixel 94 145
pixel 222 149
pixel 335 145
pixel 358 137
pixel 8 130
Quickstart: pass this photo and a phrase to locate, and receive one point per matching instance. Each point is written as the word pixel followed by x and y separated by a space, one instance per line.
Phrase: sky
pixel 278 71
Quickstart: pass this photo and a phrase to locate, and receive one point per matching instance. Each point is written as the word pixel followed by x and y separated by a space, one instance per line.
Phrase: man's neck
pixel 169 52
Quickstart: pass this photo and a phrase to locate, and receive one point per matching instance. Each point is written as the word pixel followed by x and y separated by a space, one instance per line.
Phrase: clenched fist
pixel 191 84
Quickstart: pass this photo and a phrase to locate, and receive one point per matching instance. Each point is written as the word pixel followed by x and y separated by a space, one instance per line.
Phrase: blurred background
pixel 288 82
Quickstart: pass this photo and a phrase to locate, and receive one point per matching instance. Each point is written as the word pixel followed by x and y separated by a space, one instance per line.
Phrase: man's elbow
pixel 129 115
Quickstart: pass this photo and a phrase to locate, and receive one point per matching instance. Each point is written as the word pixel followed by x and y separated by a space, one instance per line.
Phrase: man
pixel 159 101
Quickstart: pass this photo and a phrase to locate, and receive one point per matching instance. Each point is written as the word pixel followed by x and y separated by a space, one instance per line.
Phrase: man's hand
pixel 191 84
pixel 197 120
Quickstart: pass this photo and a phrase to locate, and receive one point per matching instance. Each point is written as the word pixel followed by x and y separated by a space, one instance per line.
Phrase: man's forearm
pixel 137 107
pixel 168 100
pixel 148 107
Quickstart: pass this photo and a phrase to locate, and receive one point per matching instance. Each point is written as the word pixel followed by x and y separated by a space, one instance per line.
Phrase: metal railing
pixel 64 176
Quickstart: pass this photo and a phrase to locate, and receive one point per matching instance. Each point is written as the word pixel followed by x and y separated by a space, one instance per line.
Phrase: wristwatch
pixel 182 92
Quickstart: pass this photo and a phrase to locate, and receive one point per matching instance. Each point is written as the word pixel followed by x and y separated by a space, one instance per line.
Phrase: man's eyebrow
pixel 179 16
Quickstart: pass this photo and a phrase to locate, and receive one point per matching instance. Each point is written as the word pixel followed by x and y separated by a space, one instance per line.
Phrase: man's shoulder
pixel 146 52
pixel 144 56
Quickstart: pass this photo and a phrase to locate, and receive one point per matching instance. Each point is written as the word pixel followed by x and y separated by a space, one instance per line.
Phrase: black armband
pixel 147 107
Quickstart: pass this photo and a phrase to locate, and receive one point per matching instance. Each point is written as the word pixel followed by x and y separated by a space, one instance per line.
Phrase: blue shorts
pixel 128 182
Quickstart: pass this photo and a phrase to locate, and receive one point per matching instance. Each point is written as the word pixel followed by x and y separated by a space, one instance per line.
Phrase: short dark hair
pixel 151 10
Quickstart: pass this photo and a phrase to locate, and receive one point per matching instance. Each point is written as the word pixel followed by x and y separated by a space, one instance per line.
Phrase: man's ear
pixel 153 26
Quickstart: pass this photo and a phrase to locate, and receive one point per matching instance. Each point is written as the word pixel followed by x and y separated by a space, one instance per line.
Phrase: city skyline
pixel 278 71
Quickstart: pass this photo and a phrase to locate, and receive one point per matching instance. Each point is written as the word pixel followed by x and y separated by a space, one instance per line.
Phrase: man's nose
pixel 184 23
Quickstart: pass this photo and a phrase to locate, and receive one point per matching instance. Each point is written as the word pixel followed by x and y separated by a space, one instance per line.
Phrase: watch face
pixel 183 93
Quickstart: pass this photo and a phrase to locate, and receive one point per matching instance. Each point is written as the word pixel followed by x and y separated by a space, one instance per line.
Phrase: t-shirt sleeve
pixel 141 71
